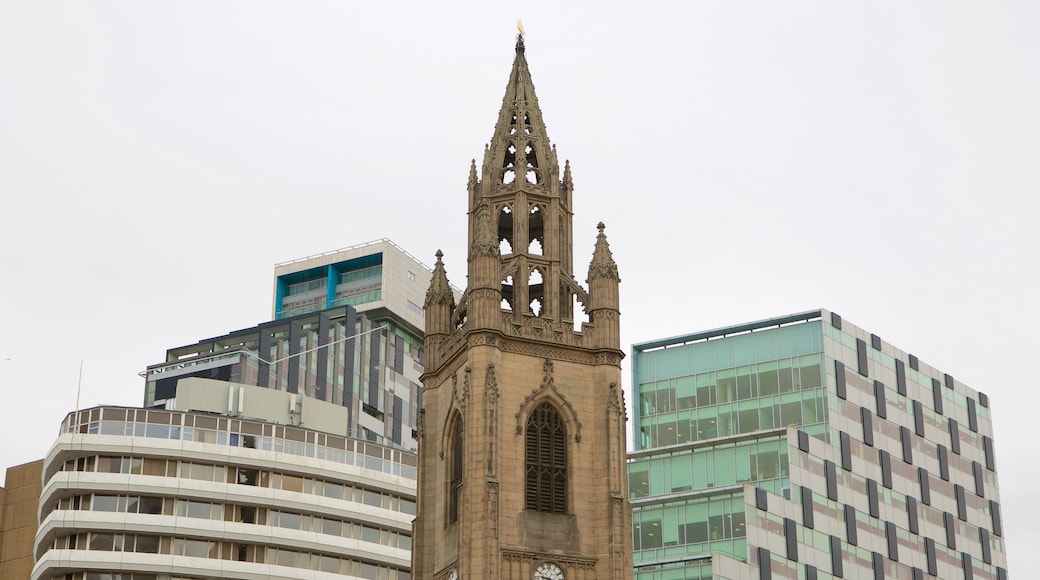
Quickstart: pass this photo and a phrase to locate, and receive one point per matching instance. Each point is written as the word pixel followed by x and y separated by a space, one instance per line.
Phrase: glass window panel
pixel 639 479
pixel 791 414
pixel 747 420
pixel 102 542
pixel 151 505
pixel 105 503
pixel 147 544
pixel 786 380
pixel 682 472
pixel 700 467
pixel 650 534
pixel 742 463
pixel 739 525
pixel 768 381
pixel 685 392
pixel 727 420
pixel 768 463
pixel 369 534
pixel 666 434
pixel 726 385
pixel 766 414
pixel 725 469
pixel 810 373
pixel 684 430
pixel 744 383
pixel 810 413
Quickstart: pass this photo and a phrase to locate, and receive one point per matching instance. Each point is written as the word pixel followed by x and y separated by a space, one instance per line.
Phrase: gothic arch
pixel 546 464
pixel 452 451
pixel 547 391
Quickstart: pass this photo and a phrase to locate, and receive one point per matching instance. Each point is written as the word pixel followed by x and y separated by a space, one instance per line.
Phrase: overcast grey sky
pixel 750 159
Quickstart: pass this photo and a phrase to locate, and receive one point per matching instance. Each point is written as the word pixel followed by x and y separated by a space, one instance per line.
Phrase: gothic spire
pixel 439 292
pixel 520 150
pixel 602 265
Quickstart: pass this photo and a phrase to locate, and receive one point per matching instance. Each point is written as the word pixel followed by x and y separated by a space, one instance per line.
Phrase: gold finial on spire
pixel 519 35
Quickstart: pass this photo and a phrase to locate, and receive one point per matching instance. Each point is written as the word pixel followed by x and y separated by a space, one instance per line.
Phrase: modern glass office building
pixel 347 329
pixel 804 447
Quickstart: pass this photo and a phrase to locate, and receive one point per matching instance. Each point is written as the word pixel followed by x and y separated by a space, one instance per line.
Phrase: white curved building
pixel 157 494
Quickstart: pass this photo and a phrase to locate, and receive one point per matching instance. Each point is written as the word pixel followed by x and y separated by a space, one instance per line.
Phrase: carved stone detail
pixel 491 394
pixel 548 384
pixel 485 240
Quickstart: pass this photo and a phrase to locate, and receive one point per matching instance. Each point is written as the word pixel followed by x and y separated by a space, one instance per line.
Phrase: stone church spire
pixel 522 448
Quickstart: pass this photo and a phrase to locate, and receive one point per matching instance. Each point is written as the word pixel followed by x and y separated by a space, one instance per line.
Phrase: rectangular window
pixel 892 541
pixel 839 379
pixel 929 551
pixel 885 458
pixel 987 448
pixel 832 479
pixel 846 450
pixel 955 435
pixel 969 573
pixel 850 525
pixel 879 400
pixel 868 425
pixel 877 562
pixel 836 567
pixel 907 444
pixel 911 514
pixel 900 377
pixel 922 478
pixel 765 561
pixel 962 504
pixel 973 418
pixel 944 463
pixel 987 553
pixel 919 418
pixel 994 512
pixel 791 537
pixel 861 356
pixel 937 399
pixel 951 530
pixel 761 499
pixel 872 499
pixel 807 507
pixel 976 472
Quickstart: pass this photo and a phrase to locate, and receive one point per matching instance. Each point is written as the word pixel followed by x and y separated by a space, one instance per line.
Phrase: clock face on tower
pixel 548 571
pixel 453 575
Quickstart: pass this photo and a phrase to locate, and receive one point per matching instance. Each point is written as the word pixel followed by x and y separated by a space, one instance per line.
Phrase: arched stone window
pixel 546 461
pixel 455 473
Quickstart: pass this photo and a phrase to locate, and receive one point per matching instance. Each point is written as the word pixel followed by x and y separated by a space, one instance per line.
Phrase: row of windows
pixel 790 409
pixel 216 550
pixel 692 523
pixel 884 400
pixel 683 571
pixel 240 476
pixel 712 467
pixel 914 510
pixel 236 433
pixel 848 557
pixel 728 385
pixel 911 372
pixel 236 513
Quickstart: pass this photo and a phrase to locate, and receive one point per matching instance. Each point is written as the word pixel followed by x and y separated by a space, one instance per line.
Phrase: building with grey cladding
pixel 225 481
pixel 347 329
pixel 804 447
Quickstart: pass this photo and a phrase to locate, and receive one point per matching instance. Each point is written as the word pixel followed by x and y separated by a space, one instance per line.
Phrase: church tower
pixel 522 470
